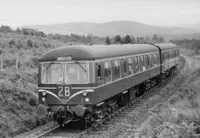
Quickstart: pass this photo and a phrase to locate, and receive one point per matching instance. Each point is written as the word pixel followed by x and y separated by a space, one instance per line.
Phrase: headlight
pixel 44 93
pixel 85 93
pixel 87 99
pixel 43 99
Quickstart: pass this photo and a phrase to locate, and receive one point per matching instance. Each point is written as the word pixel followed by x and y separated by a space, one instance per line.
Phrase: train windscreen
pixel 52 73
pixel 76 73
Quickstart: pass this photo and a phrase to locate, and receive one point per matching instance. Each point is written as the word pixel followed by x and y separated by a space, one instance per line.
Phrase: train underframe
pixel 91 114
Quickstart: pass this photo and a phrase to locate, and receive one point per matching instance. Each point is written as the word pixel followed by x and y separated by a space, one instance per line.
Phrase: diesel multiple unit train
pixel 88 82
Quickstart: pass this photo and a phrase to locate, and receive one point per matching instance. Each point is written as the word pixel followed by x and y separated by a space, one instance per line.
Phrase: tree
pixel 117 39
pixel 12 43
pixel 161 39
pixel 29 43
pixel 138 40
pixel 108 40
pixel 5 29
pixel 195 46
pixel 18 30
pixel 133 40
pixel 147 40
pixel 127 39
pixel 155 38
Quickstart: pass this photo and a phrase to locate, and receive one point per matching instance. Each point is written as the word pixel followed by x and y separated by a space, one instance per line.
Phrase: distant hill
pixel 112 28
pixel 66 28
pixel 191 26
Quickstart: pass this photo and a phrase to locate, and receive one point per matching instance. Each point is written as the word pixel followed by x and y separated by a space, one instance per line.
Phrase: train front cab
pixel 58 90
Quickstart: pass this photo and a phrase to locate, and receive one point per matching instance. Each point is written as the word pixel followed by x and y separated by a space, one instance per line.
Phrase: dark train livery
pixel 90 81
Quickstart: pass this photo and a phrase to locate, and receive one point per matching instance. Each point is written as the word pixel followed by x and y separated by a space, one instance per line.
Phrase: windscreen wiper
pixel 81 66
pixel 49 65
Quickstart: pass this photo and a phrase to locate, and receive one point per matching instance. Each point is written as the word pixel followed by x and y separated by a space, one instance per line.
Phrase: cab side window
pixel 99 71
pixel 107 71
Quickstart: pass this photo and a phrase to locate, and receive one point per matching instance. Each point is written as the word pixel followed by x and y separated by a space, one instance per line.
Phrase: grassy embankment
pixel 18 99
pixel 180 115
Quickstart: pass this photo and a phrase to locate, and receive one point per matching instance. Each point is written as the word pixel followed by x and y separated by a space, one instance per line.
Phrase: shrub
pixel 33 101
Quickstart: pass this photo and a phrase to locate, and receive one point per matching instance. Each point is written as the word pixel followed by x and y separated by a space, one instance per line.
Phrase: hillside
pixel 113 28
pixel 191 26
pixel 18 81
pixel 81 28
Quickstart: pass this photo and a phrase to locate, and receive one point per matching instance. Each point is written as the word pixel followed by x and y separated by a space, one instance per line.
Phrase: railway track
pixel 57 131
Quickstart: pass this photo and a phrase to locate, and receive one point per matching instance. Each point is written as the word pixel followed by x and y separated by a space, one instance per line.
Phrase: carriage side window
pixel 142 67
pixel 125 70
pixel 172 54
pixel 176 54
pixel 148 62
pixel 130 66
pixel 107 71
pixel 136 64
pixel 155 59
pixel 164 56
pixel 117 69
pixel 167 53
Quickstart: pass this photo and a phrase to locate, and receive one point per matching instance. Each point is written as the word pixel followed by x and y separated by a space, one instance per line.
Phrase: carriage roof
pixel 166 46
pixel 87 52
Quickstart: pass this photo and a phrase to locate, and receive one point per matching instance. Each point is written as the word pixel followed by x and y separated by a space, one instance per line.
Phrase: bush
pixel 33 101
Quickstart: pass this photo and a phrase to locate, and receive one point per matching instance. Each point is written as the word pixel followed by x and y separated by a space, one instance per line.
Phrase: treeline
pixel 77 39
pixel 134 40
pixel 192 44
pixel 71 39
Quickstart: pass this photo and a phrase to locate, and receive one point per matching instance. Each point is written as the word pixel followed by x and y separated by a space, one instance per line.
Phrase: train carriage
pixel 170 57
pixel 75 80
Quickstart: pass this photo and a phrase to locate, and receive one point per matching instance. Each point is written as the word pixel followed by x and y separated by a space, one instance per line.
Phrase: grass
pixel 18 103
pixel 176 117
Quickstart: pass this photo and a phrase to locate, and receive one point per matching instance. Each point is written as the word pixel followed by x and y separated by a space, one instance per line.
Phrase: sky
pixel 152 12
